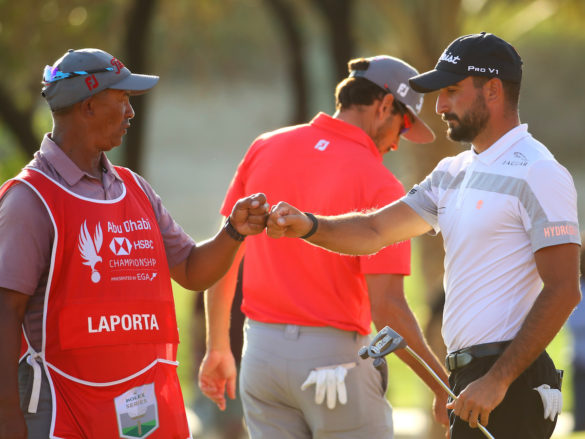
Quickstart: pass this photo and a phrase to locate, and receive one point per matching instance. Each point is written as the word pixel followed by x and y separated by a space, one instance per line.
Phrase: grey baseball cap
pixel 82 73
pixel 392 75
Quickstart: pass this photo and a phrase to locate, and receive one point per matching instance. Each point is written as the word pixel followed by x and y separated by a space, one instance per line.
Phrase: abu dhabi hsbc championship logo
pixel 89 247
pixel 121 246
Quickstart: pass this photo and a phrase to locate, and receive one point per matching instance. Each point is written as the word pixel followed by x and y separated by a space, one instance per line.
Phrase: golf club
pixel 387 341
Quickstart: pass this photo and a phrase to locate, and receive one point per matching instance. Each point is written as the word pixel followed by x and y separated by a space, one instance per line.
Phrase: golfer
pixel 507 211
pixel 309 311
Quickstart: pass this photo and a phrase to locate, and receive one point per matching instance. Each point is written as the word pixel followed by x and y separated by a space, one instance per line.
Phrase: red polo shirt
pixel 327 167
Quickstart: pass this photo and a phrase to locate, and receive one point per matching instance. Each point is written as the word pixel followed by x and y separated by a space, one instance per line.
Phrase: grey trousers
pixel 277 359
pixel 38 423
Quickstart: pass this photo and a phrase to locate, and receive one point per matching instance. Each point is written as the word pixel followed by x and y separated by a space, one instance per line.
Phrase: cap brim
pixel 136 84
pixel 434 80
pixel 419 132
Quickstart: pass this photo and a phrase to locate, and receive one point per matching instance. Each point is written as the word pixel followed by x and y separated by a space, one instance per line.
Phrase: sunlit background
pixel 232 69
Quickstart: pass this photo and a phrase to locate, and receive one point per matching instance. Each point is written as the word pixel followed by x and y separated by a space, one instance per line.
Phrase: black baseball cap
pixel 482 54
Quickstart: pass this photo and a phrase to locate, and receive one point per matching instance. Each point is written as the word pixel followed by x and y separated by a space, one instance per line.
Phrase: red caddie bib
pixel 109 329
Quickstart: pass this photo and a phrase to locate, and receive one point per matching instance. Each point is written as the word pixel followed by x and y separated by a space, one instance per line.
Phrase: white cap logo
pixel 402 89
pixel 419 105
pixel 448 57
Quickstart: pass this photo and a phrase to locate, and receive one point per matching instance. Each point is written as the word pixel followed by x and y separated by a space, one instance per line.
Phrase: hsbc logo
pixel 120 246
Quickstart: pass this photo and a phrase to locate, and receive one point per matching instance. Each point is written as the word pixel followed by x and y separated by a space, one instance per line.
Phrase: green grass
pixel 145 427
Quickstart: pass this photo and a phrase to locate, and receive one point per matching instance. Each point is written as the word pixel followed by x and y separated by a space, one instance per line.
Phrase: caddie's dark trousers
pixel 521 413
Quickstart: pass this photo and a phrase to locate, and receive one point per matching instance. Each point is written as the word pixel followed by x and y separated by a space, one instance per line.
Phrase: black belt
pixel 465 356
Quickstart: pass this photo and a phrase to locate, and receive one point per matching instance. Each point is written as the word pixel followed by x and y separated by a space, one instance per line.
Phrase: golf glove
pixel 329 380
pixel 552 400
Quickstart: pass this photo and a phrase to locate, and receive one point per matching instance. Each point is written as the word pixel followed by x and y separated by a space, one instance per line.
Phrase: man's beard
pixel 471 124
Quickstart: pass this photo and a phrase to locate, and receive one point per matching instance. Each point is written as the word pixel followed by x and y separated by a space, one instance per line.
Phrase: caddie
pixel 88 251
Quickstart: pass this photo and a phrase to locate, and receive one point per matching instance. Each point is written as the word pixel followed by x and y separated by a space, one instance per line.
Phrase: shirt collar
pixel 500 146
pixel 342 128
pixel 67 169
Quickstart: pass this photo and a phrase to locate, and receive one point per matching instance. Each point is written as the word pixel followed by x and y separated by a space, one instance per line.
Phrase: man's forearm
pixel 207 262
pixel 9 362
pixel 558 267
pixel 350 234
pixel 389 307
pixel 546 318
pixel 405 324
pixel 218 302
pixel 364 234
pixel 12 308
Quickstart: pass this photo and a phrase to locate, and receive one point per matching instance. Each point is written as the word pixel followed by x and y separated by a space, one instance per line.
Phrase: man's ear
pixel 385 107
pixel 87 106
pixel 493 90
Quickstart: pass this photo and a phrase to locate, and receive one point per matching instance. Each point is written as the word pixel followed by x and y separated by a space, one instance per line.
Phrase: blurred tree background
pixel 232 69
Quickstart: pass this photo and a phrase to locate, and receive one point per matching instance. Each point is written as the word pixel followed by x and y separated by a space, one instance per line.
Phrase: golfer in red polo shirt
pixel 308 310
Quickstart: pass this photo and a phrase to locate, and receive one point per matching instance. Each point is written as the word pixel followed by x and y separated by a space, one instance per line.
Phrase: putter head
pixel 385 342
